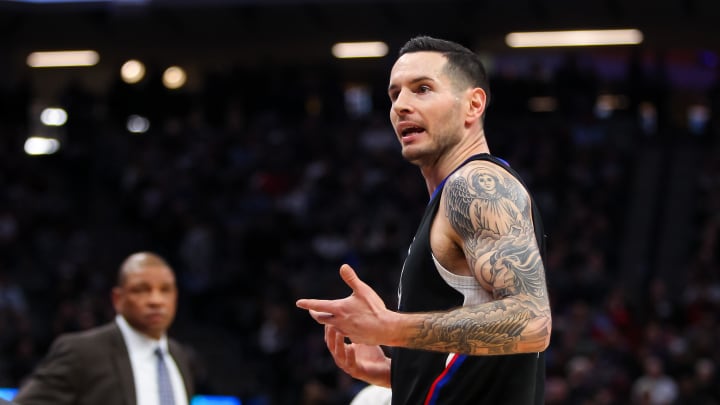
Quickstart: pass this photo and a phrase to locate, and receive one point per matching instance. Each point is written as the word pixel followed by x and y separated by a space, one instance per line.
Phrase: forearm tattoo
pixel 491 212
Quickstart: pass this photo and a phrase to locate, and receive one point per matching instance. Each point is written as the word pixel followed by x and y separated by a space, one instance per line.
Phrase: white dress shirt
pixel 143 360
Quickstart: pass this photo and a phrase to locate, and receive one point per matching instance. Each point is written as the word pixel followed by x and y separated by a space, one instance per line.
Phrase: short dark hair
pixel 462 63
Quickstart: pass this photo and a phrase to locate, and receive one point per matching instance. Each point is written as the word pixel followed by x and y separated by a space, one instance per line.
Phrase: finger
pixel 343 354
pixel 350 278
pixel 336 344
pixel 314 305
pixel 330 333
pixel 320 314
pixel 321 317
pixel 350 357
pixel 330 339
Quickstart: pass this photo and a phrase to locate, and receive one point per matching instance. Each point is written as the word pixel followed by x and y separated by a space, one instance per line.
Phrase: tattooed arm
pixel 490 214
pixel 488 220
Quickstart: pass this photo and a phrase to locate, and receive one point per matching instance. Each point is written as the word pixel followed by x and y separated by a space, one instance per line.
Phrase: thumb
pixel 350 277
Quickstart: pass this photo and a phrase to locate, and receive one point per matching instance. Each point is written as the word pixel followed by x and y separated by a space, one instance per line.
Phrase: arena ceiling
pixel 262 32
pixel 286 26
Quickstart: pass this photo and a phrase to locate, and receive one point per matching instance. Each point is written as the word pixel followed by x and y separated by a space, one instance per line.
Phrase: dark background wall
pixel 257 180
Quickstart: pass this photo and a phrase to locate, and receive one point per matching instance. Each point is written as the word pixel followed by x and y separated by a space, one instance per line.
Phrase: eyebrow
pixel 413 81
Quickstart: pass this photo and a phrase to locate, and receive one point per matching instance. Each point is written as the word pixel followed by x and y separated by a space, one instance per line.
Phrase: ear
pixel 477 104
pixel 117 298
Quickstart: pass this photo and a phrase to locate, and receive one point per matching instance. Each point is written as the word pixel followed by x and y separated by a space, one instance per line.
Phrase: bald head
pixel 138 261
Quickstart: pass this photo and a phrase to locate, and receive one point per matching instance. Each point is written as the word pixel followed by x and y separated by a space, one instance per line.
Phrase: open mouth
pixel 411 130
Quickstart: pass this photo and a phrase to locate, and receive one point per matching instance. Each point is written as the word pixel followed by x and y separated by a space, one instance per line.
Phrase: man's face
pixel 426 110
pixel 147 299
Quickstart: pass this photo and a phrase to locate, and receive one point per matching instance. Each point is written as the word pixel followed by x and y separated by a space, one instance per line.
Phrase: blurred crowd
pixel 258 186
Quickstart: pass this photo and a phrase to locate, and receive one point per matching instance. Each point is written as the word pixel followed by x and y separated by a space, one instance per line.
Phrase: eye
pixel 140 289
pixel 423 88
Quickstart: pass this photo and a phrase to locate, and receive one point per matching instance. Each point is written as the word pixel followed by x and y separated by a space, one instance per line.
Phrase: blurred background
pixel 228 137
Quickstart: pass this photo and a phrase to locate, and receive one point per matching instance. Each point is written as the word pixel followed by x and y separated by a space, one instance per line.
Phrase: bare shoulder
pixel 482 198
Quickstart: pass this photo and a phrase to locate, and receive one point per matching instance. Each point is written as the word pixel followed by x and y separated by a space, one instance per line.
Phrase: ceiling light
pixel 62 59
pixel 38 145
pixel 53 117
pixel 359 49
pixel 174 77
pixel 574 38
pixel 132 71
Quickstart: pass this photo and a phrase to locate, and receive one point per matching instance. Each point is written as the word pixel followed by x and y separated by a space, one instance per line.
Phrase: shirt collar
pixel 137 341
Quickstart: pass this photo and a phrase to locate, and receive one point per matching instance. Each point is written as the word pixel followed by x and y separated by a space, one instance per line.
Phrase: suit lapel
pixel 121 360
pixel 183 364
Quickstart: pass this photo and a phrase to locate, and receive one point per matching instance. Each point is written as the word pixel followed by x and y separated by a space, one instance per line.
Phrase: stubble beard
pixel 431 152
pixel 437 144
pixel 419 155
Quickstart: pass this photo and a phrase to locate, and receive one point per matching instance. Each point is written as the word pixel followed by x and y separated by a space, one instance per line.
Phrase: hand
pixel 362 316
pixel 364 362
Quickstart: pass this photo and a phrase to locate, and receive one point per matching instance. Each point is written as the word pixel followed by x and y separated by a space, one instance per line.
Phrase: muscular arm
pixel 489 219
pixel 490 212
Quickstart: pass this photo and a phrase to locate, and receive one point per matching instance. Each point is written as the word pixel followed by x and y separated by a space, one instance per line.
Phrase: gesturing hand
pixel 362 316
pixel 364 362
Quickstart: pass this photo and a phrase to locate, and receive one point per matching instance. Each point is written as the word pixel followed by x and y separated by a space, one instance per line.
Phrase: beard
pixel 420 155
pixel 437 140
pixel 428 152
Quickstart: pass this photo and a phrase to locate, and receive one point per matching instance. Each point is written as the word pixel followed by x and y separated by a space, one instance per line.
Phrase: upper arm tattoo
pixel 490 210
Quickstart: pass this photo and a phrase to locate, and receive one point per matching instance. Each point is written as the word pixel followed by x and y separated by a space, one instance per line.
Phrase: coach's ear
pixel 476 107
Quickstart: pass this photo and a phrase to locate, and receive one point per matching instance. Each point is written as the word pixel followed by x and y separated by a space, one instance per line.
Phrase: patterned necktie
pixel 165 390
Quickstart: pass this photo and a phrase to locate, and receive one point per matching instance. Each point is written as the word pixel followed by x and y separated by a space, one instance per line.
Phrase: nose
pixel 157 297
pixel 402 104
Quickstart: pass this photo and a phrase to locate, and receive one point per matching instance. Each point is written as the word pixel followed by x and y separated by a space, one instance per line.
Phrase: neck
pixel 436 173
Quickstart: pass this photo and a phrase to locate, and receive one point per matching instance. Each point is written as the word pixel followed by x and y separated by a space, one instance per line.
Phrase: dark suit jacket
pixel 91 368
